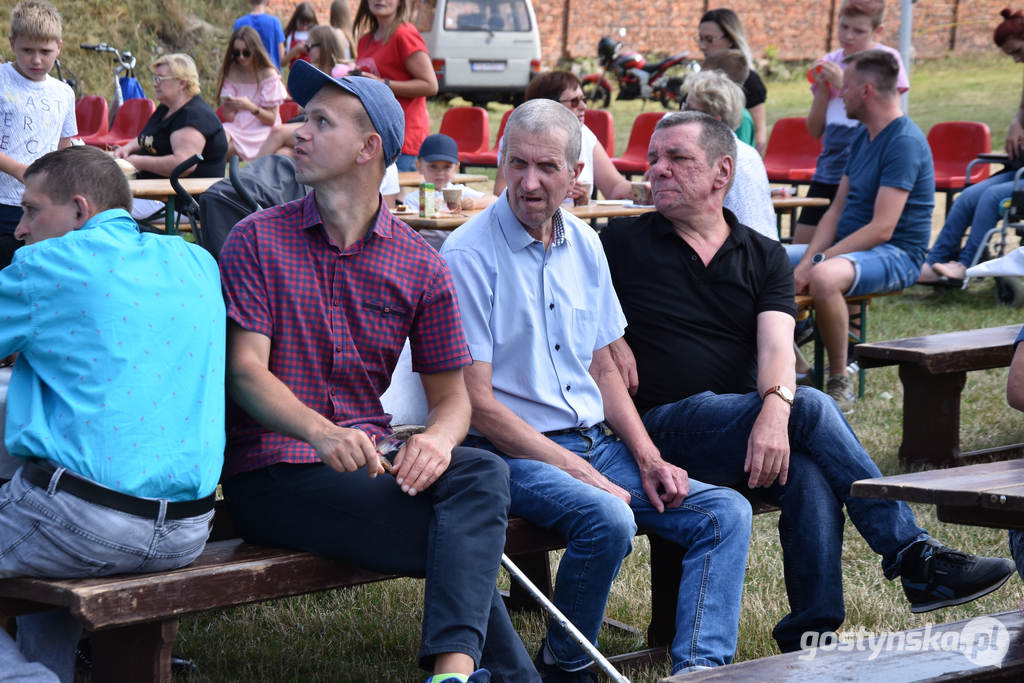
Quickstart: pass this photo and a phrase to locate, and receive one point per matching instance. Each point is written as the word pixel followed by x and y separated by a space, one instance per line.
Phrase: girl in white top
pixel 598 170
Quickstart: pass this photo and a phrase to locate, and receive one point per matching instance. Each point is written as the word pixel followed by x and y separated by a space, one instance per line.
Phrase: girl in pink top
pixel 250 93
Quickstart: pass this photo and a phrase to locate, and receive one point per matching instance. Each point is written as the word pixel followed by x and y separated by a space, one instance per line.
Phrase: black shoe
pixel 551 673
pixel 935 576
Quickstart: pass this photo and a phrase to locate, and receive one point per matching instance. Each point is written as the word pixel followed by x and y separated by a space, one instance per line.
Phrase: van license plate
pixel 487 66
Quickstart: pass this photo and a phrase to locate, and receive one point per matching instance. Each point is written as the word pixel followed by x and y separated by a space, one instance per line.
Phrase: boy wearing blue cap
pixel 438 162
pixel 321 294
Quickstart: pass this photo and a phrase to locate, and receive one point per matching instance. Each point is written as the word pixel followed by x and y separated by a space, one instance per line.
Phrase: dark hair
pixel 729 22
pixel 874 10
pixel 551 85
pixel 1012 26
pixel 303 12
pixel 365 22
pixel 253 42
pixel 879 66
pixel 83 170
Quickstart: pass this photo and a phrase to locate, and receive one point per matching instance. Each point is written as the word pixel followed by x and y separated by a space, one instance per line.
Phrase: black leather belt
pixel 571 430
pixel 39 474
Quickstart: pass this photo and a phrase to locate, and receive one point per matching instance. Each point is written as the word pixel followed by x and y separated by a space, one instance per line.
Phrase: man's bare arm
pixel 887 211
pixel 665 485
pixel 514 437
pixel 271 403
pixel 768 444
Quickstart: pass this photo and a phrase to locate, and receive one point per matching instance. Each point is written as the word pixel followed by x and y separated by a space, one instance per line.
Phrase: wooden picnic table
pixel 989 494
pixel 414 178
pixel 602 208
pixel 161 190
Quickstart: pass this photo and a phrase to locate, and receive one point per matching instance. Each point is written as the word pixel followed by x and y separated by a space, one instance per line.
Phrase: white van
pixel 483 50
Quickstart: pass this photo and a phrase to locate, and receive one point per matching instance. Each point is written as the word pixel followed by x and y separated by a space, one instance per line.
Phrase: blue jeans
pixel 707 434
pixel 712 523
pixel 453 533
pixel 884 268
pixel 406 162
pixel 48 533
pixel 977 209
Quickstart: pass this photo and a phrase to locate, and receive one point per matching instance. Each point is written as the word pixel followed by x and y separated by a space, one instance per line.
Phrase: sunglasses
pixel 159 79
pixel 572 103
pixel 242 53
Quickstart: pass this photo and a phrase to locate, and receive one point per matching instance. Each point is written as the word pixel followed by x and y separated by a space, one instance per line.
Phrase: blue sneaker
pixel 478 676
pixel 935 576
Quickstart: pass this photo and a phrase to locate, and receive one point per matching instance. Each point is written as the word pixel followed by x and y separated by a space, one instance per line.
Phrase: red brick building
pixel 796 30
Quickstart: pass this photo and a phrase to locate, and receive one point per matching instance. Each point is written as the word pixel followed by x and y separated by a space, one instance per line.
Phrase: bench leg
pixel 931 415
pixel 666 573
pixel 134 653
pixel 538 570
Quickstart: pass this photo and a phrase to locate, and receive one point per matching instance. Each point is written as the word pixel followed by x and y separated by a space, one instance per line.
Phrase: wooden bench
pixel 133 619
pixel 933 370
pixel 929 653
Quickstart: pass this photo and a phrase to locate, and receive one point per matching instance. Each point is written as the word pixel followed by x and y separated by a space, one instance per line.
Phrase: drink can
pixel 426 200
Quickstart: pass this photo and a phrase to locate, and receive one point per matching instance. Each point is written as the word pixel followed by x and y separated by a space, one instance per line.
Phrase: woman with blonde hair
pixel 341 21
pixel 392 50
pixel 251 92
pixel 183 125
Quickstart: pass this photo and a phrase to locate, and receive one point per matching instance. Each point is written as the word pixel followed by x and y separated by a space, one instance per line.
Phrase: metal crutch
pixel 389 446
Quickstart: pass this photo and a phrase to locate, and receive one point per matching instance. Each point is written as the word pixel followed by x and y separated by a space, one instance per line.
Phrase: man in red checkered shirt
pixel 321 294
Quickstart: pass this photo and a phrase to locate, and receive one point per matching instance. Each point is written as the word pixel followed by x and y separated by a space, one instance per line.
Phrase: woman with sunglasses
pixel 598 170
pixel 392 50
pixel 183 125
pixel 250 91
pixel 720 29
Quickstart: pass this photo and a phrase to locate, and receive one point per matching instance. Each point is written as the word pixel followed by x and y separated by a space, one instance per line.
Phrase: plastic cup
pixel 585 199
pixel 452 198
pixel 641 194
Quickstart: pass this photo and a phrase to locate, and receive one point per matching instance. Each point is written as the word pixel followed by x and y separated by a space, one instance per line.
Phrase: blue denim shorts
pixel 884 268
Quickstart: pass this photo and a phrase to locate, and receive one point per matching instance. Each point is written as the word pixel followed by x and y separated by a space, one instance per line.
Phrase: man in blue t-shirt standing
pixel 874 236
pixel 269 28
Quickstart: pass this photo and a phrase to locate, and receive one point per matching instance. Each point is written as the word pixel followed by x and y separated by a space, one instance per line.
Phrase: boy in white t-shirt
pixel 38 112
pixel 438 162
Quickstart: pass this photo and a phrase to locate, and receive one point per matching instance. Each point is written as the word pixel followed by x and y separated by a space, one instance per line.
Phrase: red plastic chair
pixel 792 152
pixel 600 123
pixel 634 160
pixel 469 127
pixel 954 145
pixel 91 116
pixel 288 110
pixel 129 121
pixel 488 158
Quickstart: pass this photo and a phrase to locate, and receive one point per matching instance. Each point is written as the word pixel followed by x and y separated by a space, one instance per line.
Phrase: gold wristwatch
pixel 782 392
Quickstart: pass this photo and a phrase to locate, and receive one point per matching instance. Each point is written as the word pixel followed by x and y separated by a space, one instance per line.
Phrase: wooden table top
pixel 160 188
pixel 945 352
pixel 414 178
pixel 989 494
pixel 446 221
pixel 786 203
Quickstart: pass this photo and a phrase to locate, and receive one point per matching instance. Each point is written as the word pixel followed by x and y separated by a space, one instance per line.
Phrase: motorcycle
pixel 635 77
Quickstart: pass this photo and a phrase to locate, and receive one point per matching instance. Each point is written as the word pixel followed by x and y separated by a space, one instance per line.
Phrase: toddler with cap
pixel 438 162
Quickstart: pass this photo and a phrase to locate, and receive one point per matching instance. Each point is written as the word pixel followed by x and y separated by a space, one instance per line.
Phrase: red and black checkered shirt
pixel 336 319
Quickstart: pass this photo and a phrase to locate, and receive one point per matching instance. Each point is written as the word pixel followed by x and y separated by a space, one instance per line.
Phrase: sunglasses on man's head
pixel 242 53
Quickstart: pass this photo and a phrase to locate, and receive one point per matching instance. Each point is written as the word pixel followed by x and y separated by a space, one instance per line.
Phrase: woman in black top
pixel 720 29
pixel 181 126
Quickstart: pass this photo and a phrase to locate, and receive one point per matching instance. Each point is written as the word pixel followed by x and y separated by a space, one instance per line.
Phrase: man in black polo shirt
pixel 710 312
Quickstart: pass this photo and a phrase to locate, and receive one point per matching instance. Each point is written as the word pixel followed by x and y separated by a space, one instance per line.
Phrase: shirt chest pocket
pixel 384 323
pixel 584 327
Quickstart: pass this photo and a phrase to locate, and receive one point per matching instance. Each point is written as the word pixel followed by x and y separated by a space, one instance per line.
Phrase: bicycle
pixel 126 86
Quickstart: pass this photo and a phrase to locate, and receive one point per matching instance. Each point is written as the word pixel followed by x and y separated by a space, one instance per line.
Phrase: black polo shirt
pixel 693 328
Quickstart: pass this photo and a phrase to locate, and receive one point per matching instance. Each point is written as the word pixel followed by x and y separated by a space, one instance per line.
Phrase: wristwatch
pixel 782 392
pixel 818 258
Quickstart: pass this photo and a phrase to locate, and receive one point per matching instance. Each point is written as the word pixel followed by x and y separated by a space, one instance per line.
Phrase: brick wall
pixel 798 29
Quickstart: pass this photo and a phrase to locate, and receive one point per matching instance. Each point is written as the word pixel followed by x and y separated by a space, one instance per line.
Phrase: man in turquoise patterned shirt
pixel 116 402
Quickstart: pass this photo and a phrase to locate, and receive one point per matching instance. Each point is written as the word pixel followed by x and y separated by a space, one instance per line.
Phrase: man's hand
pixel 768 445
pixel 346 450
pixel 802 277
pixel 1015 139
pixel 626 363
pixel 421 460
pixel 665 484
pixel 585 472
